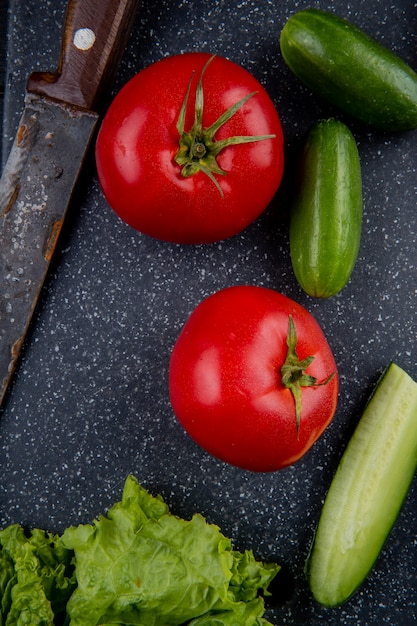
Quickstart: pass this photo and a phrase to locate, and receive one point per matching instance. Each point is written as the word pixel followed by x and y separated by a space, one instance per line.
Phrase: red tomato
pixel 226 378
pixel 208 189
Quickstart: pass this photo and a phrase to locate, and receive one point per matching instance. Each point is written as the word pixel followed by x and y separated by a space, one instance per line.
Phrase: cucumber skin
pixel 355 73
pixel 367 491
pixel 326 213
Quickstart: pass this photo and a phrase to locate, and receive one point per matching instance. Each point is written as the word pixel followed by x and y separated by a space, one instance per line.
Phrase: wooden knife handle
pixel 94 39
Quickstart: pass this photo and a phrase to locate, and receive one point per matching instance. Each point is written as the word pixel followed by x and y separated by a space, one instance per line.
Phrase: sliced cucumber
pixel 367 491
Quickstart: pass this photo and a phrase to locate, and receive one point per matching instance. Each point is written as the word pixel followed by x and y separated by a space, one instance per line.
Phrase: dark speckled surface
pixel 89 402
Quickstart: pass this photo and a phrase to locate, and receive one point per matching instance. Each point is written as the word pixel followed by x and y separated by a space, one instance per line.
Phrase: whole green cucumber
pixel 345 66
pixel 326 214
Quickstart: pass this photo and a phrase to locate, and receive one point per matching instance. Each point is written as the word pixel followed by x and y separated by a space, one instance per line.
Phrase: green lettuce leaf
pixel 37 588
pixel 143 566
pixel 7 580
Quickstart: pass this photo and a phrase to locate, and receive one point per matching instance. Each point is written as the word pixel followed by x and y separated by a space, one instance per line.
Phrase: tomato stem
pixel 198 150
pixel 293 372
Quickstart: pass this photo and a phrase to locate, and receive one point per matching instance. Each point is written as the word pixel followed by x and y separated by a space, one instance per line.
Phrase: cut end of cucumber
pixel 367 491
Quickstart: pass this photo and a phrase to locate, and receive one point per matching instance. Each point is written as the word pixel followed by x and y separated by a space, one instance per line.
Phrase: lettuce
pixel 7 581
pixel 142 565
pixel 37 578
pixel 139 565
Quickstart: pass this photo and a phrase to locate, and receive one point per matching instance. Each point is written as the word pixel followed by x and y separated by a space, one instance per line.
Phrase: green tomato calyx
pixel 293 372
pixel 198 150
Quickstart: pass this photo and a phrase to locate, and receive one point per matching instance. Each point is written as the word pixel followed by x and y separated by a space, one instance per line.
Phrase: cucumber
pixel 367 491
pixel 345 66
pixel 326 214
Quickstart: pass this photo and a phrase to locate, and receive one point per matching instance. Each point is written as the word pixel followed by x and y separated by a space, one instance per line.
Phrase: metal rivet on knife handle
pixel 84 38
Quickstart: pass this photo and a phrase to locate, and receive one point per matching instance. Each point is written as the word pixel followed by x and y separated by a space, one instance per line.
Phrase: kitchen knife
pixel 59 118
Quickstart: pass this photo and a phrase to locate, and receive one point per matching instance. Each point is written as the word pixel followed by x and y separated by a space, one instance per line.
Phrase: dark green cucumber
pixel 345 66
pixel 326 215
pixel 367 491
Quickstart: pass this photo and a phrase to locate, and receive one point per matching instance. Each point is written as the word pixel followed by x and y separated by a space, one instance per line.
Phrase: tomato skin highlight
pixel 225 381
pixel 138 141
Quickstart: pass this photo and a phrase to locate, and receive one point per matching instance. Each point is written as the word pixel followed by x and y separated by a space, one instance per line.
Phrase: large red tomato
pixel 191 149
pixel 252 378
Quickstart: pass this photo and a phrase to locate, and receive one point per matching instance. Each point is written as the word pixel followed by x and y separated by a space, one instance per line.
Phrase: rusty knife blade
pixel 57 125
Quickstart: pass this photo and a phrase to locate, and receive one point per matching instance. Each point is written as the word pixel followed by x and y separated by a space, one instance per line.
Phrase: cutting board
pixel 3 52
pixel 89 402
